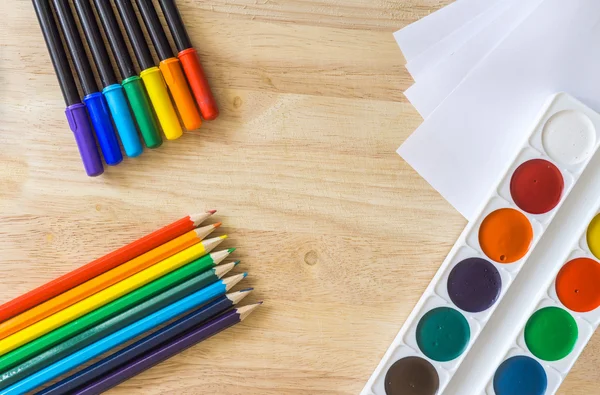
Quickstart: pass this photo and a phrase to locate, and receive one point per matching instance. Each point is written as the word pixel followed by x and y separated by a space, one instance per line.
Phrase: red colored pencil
pixel 101 265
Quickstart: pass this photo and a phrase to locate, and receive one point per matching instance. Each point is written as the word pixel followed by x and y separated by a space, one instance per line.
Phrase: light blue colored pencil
pixel 129 332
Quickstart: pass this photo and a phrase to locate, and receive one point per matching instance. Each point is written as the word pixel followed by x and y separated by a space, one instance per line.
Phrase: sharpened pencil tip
pixel 235 263
pixel 223 237
pixel 260 302
pixel 211 211
pixel 230 250
pixel 217 224
pixel 246 290
pixel 245 274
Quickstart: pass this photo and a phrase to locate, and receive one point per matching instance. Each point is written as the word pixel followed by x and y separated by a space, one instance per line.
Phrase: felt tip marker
pixel 93 99
pixel 151 75
pixel 190 61
pixel 132 83
pixel 76 114
pixel 113 92
pixel 170 67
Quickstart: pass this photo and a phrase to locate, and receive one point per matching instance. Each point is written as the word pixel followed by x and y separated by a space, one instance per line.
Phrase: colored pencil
pixel 113 324
pixel 103 281
pixel 107 295
pixel 146 344
pixel 113 92
pixel 190 61
pixel 108 311
pixel 101 265
pixel 132 83
pixel 167 350
pixel 93 99
pixel 150 74
pixel 115 339
pixel 170 66
pixel 75 111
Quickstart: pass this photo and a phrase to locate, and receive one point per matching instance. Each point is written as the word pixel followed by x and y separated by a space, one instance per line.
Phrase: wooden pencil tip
pixel 230 282
pixel 236 263
pixel 230 250
pixel 223 237
pixel 237 297
pixel 246 310
pixel 211 212
pixel 217 224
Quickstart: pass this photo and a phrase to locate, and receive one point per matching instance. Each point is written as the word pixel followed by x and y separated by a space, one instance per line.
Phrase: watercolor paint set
pixel 560 326
pixel 490 252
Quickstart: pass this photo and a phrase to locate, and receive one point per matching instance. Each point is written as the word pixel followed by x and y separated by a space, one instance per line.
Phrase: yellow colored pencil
pixel 104 280
pixel 107 295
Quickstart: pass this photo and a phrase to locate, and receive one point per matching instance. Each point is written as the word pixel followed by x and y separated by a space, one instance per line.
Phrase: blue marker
pixel 95 102
pixel 113 91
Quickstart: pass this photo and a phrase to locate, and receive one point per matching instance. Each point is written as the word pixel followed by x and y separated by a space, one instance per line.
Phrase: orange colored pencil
pixel 101 265
pixel 104 280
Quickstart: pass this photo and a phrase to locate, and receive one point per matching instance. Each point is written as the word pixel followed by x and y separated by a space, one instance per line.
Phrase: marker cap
pixel 142 111
pixel 79 123
pixel 175 79
pixel 119 109
pixel 105 133
pixel 161 101
pixel 200 88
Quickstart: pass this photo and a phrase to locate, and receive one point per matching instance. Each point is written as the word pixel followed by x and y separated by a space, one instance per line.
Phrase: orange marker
pixel 190 61
pixel 170 67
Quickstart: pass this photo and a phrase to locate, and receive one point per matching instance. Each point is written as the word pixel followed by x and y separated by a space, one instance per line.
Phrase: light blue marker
pixel 113 92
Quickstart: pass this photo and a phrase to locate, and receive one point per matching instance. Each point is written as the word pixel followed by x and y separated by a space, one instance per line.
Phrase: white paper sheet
pixel 436 83
pixel 465 145
pixel 453 41
pixel 420 35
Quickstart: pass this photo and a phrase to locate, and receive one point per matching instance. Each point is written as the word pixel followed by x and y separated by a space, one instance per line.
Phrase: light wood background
pixel 340 236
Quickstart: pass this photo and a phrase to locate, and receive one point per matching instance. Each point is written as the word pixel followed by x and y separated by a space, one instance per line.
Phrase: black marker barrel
pixel 170 67
pixel 95 41
pixel 132 84
pixel 173 18
pixel 76 113
pixel 113 91
pixel 151 75
pixel 135 34
pixel 190 61
pixel 75 45
pixel 115 38
pixel 57 52
pixel 94 100
pixel 155 29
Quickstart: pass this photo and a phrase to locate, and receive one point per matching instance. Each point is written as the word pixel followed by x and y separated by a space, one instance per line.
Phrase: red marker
pixel 190 61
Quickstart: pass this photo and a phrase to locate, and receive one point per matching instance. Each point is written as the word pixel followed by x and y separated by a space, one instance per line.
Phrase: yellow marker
pixel 161 101
pixel 107 295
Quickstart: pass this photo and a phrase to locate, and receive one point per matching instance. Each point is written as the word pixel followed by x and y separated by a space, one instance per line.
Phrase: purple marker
pixel 166 350
pixel 76 112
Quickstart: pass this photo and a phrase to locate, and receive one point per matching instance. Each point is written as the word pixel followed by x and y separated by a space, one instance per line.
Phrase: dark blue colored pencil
pixel 167 333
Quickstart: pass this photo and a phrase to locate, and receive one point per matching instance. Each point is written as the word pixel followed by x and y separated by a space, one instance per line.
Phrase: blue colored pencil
pixel 117 338
pixel 140 347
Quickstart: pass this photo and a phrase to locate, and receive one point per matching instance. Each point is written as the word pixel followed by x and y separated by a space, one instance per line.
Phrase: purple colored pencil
pixel 166 350
pixel 171 331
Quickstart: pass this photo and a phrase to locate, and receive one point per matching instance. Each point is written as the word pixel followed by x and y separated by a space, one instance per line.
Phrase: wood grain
pixel 340 236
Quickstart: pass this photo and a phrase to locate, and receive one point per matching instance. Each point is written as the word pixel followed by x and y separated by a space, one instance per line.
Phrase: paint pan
pixel 557 329
pixel 490 252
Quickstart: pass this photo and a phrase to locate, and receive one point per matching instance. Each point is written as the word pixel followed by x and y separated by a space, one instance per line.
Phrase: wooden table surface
pixel 339 235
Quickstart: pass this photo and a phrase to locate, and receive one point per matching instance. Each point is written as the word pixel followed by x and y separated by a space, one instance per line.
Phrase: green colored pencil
pixel 110 310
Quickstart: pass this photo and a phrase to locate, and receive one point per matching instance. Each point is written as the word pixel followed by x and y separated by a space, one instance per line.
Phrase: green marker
pixel 141 302
pixel 132 83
